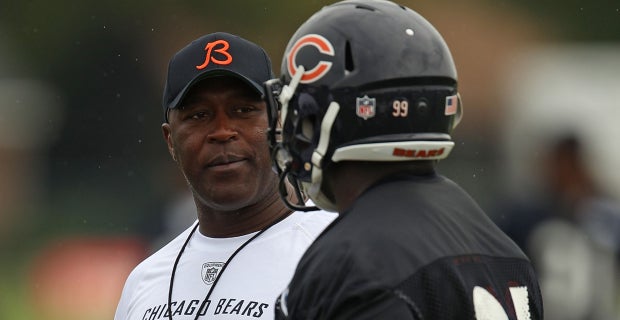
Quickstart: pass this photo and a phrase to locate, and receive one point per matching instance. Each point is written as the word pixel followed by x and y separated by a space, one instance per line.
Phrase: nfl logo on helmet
pixel 365 107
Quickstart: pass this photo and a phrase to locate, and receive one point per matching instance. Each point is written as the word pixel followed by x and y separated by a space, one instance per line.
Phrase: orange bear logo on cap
pixel 222 49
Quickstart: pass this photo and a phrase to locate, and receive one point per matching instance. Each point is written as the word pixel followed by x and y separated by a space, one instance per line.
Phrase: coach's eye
pixel 244 109
pixel 198 115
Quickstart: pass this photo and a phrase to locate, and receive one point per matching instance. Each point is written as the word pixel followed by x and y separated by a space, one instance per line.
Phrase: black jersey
pixel 414 248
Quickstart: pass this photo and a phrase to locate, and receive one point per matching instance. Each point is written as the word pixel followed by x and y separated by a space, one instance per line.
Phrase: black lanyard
pixel 217 278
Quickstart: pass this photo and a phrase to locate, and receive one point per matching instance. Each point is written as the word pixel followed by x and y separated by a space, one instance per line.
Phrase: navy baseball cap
pixel 215 54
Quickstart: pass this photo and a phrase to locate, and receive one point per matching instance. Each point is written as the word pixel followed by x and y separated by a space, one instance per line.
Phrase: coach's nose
pixel 223 129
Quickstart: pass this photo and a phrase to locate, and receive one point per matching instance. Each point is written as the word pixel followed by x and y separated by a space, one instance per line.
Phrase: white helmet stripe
pixel 394 151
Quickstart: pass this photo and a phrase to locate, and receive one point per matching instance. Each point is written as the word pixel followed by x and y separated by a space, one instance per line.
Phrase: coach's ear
pixel 167 132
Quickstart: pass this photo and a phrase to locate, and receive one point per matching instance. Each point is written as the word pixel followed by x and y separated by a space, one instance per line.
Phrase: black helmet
pixel 362 80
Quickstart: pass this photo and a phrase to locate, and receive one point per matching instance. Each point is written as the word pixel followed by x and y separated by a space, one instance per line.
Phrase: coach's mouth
pixel 224 160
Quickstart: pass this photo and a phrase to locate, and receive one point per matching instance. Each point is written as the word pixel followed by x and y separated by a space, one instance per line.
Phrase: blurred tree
pixel 578 20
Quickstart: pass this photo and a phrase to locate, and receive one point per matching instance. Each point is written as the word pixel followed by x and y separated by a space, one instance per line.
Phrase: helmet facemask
pixel 287 163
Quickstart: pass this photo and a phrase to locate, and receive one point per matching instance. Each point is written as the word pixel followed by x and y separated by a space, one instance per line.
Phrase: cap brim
pixel 215 73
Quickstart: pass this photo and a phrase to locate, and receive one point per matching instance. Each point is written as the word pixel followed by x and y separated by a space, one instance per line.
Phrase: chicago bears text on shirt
pixel 240 307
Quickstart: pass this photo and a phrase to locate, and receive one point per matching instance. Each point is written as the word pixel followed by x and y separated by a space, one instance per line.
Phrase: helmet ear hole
pixel 422 107
pixel 349 65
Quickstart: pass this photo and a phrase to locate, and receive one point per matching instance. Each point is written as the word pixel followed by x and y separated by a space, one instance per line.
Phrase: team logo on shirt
pixel 210 270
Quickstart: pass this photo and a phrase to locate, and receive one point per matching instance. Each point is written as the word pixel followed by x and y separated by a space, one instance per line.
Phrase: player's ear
pixel 167 132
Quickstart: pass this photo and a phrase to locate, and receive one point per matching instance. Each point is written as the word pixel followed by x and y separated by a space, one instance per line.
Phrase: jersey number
pixel 488 308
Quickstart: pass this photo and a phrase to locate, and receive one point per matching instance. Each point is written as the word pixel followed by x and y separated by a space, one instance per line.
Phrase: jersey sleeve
pixel 122 309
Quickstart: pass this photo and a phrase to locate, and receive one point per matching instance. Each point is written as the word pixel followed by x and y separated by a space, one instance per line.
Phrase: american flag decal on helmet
pixel 451 105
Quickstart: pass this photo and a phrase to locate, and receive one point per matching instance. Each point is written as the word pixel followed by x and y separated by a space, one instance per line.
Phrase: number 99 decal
pixel 400 108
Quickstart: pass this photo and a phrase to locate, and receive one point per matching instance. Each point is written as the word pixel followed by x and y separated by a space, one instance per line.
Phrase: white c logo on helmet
pixel 316 73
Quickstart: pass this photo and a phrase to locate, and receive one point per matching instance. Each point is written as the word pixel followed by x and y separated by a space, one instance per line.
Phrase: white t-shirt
pixel 247 288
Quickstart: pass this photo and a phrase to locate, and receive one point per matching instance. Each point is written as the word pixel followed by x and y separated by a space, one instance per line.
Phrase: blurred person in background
pixel 571 232
pixel 240 253
pixel 561 168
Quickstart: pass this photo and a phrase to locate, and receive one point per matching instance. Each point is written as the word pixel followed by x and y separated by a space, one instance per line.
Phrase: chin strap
pixel 284 194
